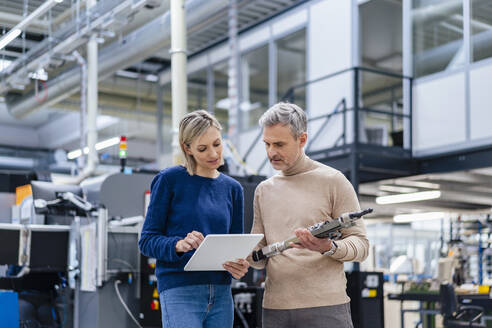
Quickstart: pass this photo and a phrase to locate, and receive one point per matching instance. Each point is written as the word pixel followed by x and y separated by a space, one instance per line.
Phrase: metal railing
pixel 361 105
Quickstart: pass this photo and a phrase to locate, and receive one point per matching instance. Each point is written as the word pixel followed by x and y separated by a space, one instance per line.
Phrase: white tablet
pixel 215 250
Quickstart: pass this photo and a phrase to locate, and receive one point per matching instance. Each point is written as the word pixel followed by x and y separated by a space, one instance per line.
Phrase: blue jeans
pixel 197 306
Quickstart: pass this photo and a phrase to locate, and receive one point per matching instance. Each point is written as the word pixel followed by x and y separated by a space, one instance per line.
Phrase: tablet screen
pixel 215 250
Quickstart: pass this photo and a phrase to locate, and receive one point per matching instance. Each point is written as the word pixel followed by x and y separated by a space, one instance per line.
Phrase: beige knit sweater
pixel 306 194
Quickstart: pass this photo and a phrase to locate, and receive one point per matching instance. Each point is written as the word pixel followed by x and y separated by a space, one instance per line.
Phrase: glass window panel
pixel 406 244
pixel 254 87
pixel 291 67
pixel 382 93
pixel 481 28
pixel 437 36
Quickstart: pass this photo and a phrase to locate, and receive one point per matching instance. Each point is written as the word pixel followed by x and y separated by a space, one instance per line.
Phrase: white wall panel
pixel 481 102
pixel 439 113
pixel 324 96
pixel 330 35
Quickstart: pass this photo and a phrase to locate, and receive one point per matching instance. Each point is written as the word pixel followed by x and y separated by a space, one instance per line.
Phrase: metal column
pixel 178 72
pixel 92 100
pixel 159 151
pixel 233 81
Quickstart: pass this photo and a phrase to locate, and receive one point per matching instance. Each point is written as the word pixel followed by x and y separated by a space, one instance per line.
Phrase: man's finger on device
pixel 298 246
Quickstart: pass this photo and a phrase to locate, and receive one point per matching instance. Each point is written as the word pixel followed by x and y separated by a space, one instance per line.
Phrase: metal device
pixel 327 229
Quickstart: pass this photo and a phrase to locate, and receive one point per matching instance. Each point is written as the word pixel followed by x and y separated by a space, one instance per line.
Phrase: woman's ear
pixel 187 149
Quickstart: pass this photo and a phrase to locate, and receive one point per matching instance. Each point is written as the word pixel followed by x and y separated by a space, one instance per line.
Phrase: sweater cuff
pixel 341 251
pixel 175 257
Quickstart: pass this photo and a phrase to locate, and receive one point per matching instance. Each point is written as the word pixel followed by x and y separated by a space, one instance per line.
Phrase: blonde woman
pixel 187 203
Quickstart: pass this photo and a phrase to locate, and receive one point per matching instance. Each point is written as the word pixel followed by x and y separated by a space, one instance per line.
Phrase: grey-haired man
pixel 305 286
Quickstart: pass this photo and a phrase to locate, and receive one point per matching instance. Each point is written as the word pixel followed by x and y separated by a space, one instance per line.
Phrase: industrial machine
pixel 87 251
pixel 83 263
pixel 365 290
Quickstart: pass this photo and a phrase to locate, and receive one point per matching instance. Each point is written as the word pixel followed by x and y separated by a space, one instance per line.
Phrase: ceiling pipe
pixel 135 47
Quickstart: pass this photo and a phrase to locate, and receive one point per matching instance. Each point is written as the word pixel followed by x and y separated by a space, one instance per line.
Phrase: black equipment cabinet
pixel 247 306
pixel 150 307
pixel 365 290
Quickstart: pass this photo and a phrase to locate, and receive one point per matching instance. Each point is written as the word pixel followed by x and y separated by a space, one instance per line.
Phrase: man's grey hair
pixel 285 114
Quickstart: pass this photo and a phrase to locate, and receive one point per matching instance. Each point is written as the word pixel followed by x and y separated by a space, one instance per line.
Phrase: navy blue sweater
pixel 179 204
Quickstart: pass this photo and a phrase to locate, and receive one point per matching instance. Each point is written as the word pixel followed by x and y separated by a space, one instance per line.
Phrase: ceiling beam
pixel 10 20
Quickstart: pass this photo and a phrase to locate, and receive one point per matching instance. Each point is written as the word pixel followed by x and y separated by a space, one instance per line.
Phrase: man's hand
pixel 191 241
pixel 237 268
pixel 308 241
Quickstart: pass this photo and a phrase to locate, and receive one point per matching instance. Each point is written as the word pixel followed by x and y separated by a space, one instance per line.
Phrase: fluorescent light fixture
pixel 151 78
pixel 99 146
pixel 419 184
pixel 398 189
pixel 12 34
pixel 128 74
pixel 410 197
pixel 107 143
pixel 406 218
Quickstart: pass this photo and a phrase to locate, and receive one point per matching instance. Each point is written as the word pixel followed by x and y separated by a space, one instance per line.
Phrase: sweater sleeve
pixel 257 228
pixel 354 245
pixel 153 242
pixel 237 225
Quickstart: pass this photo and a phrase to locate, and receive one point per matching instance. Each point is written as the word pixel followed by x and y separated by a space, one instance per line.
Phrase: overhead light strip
pixel 99 146
pixel 410 197
pixel 419 184
pixel 406 218
pixel 398 189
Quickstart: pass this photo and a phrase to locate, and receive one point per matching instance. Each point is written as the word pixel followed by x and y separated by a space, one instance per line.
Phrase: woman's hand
pixel 237 268
pixel 190 242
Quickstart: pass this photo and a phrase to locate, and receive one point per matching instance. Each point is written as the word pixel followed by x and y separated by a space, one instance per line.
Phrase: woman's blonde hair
pixel 192 126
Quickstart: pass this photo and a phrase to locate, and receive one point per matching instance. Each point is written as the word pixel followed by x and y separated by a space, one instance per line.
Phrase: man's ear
pixel 303 139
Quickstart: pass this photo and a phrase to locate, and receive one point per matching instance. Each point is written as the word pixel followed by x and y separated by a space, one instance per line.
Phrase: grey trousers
pixel 336 316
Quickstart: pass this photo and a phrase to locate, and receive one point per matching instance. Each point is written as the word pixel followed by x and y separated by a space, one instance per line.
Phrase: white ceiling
pixel 461 192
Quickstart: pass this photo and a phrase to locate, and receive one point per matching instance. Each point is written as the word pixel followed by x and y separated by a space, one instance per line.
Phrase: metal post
pixel 102 245
pixel 159 151
pixel 467 34
pixel 92 100
pixel 480 253
pixel 354 167
pixel 233 80
pixel 407 71
pixel 76 297
pixel 83 106
pixel 178 72
pixel 210 90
